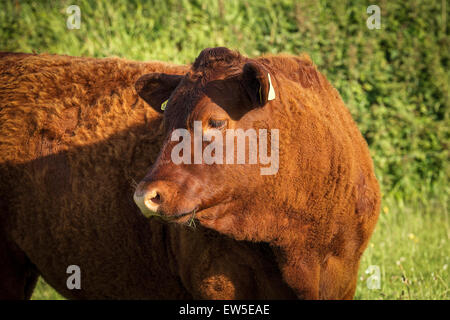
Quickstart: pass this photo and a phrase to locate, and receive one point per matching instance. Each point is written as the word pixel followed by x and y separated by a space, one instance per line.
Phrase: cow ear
pixel 156 88
pixel 258 84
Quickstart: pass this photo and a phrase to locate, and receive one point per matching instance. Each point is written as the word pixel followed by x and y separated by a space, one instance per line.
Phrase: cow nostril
pixel 153 200
pixel 156 199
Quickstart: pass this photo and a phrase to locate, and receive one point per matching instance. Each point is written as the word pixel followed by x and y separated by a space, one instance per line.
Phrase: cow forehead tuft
pixel 213 57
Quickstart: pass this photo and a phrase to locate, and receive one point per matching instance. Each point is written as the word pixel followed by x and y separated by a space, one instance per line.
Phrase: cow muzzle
pixel 149 197
pixel 163 198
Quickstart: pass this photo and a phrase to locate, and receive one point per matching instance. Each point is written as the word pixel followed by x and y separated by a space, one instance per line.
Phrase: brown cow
pixel 74 135
pixel 316 212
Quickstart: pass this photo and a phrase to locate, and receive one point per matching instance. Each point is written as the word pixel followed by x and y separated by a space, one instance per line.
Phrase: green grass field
pixel 394 80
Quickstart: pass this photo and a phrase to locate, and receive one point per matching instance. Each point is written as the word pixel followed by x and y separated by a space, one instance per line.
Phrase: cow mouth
pixel 188 218
pixel 180 218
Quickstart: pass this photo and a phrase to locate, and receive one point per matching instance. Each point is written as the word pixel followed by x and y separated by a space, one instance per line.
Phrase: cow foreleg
pixel 17 274
pixel 303 277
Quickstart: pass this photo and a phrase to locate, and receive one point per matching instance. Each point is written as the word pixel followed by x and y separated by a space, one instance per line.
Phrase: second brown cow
pixel 74 135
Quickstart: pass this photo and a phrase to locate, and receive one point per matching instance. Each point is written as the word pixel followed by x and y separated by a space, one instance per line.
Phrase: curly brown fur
pixel 318 212
pixel 74 135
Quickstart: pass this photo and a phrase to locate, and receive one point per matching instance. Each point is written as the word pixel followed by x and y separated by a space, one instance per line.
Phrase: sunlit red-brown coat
pixel 316 212
pixel 74 136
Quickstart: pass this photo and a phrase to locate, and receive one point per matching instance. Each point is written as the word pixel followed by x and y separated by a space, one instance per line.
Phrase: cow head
pixel 209 168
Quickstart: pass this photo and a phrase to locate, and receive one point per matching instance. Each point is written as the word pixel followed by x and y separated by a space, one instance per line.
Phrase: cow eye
pixel 217 124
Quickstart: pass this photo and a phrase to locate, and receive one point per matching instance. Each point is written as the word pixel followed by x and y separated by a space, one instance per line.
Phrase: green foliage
pixel 410 246
pixel 394 80
pixel 43 291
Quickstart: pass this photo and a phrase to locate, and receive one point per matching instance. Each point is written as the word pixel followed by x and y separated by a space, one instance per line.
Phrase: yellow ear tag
pixel 163 105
